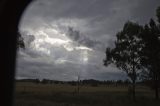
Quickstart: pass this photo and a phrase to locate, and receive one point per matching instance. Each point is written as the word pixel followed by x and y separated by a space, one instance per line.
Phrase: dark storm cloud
pixel 145 10
pixel 84 40
pixel 73 8
pixel 104 18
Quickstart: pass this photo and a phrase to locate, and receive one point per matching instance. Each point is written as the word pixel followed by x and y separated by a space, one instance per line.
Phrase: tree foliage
pixel 150 57
pixel 138 48
pixel 126 54
pixel 20 41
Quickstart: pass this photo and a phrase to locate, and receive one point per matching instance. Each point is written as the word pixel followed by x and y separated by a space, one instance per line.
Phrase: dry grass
pixel 30 94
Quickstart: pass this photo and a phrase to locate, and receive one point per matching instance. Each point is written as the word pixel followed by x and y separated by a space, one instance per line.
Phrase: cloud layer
pixel 67 38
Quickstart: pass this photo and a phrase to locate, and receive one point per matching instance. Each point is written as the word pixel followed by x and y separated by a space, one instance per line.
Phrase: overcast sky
pixel 67 38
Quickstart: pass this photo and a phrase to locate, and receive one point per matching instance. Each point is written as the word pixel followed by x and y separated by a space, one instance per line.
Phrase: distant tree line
pixel 137 52
pixel 86 82
pixel 28 80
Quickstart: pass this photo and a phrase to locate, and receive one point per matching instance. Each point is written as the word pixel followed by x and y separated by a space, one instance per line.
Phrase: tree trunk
pixel 134 83
pixel 134 79
pixel 133 90
pixel 156 88
pixel 78 84
pixel 156 93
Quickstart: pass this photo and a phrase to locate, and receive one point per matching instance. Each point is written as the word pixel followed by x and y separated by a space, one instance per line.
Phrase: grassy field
pixel 31 94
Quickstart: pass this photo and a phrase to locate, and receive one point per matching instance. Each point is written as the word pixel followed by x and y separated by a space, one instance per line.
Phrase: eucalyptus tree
pixel 150 54
pixel 126 53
